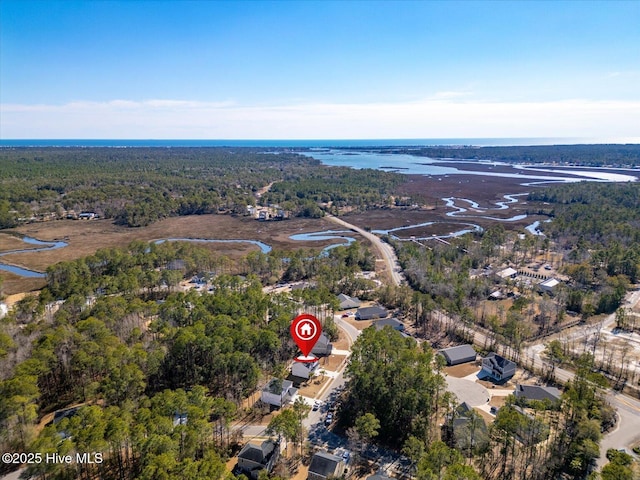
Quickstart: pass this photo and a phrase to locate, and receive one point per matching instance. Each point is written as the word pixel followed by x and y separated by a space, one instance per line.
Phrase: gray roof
pixel 537 392
pixel 375 311
pixel 308 365
pixel 500 360
pixel 323 340
pixel 275 387
pixel 324 464
pixel 464 408
pixel 257 453
pixel 392 322
pixel 347 302
pixel 459 353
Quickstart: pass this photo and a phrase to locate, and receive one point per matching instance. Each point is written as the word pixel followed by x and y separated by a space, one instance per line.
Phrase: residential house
pixel 507 273
pixel 549 285
pixel 467 429
pixel 458 355
pixel 254 458
pixel 371 313
pixel 538 392
pixel 391 322
pixel 497 295
pixel 323 346
pixel 498 367
pixel 60 415
pixel 347 302
pixel 324 465
pixel 278 392
pixel 179 418
pixel 531 430
pixel 304 369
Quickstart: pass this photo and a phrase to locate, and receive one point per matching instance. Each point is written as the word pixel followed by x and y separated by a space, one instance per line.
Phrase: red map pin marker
pixel 305 331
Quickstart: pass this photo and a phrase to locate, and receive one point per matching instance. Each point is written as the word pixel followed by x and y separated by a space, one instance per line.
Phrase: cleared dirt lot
pixel 461 371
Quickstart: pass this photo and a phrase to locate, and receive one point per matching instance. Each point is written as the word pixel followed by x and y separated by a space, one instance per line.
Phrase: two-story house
pixel 498 367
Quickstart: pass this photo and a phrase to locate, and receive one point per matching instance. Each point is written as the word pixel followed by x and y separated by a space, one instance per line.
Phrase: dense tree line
pixel 442 271
pixel 396 396
pixel 111 333
pixel 335 188
pixel 597 227
pixel 397 381
pixel 571 432
pixel 138 186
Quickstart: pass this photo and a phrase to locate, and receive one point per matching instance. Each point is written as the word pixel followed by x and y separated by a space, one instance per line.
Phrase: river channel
pixel 340 235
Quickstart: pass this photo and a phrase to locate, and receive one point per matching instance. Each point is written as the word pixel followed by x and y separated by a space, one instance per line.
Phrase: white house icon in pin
pixel 305 330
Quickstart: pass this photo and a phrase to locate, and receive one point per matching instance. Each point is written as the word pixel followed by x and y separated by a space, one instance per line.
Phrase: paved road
pixel 318 432
pixel 627 430
pixel 385 250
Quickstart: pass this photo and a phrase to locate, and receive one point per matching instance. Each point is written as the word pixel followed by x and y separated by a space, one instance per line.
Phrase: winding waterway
pixel 25 272
pixel 264 248
pixel 341 235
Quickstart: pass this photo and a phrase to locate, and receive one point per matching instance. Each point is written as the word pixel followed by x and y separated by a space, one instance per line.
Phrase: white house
pixel 498 367
pixel 507 273
pixel 278 392
pixel 304 369
pixel 306 330
pixel 3 310
pixel 549 285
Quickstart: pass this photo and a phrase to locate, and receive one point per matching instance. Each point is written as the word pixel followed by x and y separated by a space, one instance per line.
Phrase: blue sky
pixel 233 70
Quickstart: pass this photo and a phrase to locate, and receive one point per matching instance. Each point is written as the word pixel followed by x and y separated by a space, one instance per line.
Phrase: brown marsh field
pixel 86 237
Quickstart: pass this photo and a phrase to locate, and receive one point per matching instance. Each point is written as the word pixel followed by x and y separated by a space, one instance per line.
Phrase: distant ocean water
pixel 417 142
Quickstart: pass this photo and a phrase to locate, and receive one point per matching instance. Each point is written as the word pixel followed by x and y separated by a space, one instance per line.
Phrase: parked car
pixel 316 406
pixel 328 419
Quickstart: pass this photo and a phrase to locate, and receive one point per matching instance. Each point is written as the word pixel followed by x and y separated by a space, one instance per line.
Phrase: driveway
pixel 467 391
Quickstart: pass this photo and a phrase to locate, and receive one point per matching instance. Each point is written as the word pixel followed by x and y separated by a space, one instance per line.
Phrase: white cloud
pixel 446 115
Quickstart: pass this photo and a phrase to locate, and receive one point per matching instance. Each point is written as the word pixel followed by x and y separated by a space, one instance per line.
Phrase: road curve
pixel 384 249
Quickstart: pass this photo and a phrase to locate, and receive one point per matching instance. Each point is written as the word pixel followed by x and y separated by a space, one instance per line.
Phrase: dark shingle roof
pixel 500 360
pixel 537 392
pixel 375 311
pixel 392 322
pixel 324 464
pixel 257 453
